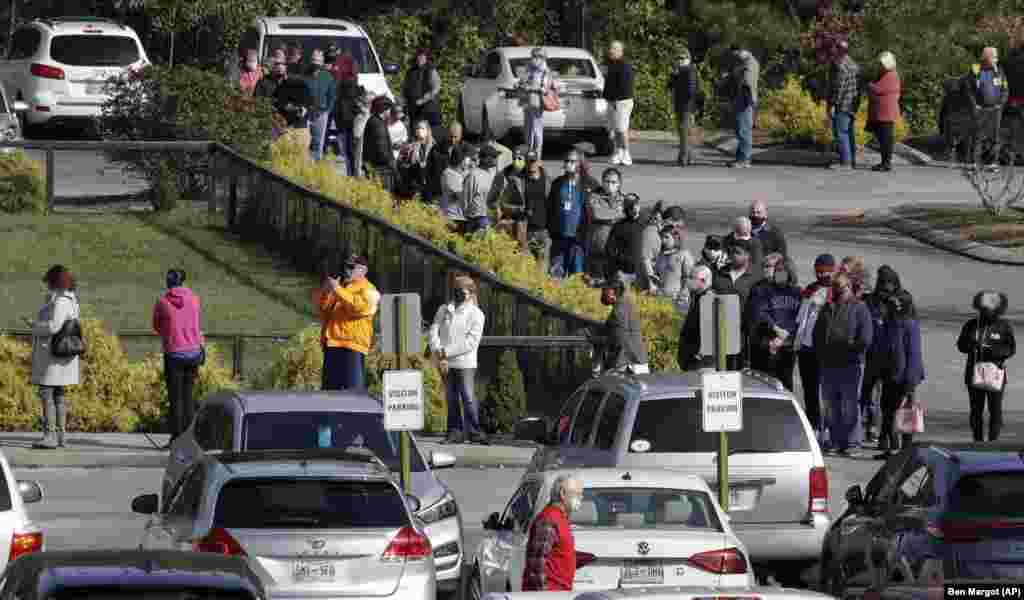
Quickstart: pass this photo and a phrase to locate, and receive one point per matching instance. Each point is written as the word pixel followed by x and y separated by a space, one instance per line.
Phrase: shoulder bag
pixel 550 99
pixel 909 416
pixel 987 376
pixel 68 341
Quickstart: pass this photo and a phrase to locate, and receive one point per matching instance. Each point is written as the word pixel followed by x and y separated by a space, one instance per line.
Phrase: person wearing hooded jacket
pixel 377 141
pixel 176 319
pixel 774 300
pixel 876 363
pixel 901 350
pixel 987 338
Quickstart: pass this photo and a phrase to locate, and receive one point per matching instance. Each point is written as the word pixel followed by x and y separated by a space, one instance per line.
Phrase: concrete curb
pixel 922 232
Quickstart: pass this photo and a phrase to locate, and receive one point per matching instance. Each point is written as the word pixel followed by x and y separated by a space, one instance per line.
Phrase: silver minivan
pixel 778 485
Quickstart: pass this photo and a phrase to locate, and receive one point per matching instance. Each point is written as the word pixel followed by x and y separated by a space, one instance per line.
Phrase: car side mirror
pixel 441 460
pixel 19 106
pixel 532 429
pixel 390 68
pixel 30 491
pixel 854 495
pixel 413 503
pixel 146 504
pixel 493 522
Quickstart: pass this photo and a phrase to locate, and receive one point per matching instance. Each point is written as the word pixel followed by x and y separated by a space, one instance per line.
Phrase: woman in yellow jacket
pixel 347 305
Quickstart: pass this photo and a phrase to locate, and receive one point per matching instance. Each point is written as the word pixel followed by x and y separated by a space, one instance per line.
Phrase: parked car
pixel 778 485
pixel 309 523
pixel 129 575
pixel 267 33
pixel 60 67
pixel 238 421
pixel 489 105
pixel 931 513
pixel 17 531
pixel 636 527
pixel 668 593
pixel 10 118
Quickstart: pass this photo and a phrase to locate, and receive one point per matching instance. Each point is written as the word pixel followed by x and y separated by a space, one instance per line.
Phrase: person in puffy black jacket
pixel 986 338
pixel 377 141
pixel 683 85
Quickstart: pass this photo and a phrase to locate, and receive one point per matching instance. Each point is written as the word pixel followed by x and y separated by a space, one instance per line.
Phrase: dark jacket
pixel 842 334
pixel 426 178
pixel 742 286
pixel 448 150
pixel 902 338
pixel 537 202
pixel 618 81
pixel 688 355
pixel 756 250
pixel 683 87
pixel 625 343
pixel 996 336
pixel 347 105
pixel 973 88
pixel 619 248
pixel 289 97
pixel 777 305
pixel 880 309
pixel 416 85
pixel 509 189
pixel 377 144
pixel 323 90
pixel 266 87
pixel 772 239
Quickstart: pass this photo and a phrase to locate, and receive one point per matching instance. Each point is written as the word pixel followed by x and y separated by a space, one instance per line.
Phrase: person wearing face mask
pixel 604 208
pixel 683 86
pixel 813 298
pixel 688 356
pixel 267 86
pixel 377 150
pixel 52 373
pixel 771 237
pixel 621 240
pixel 452 183
pixel 251 73
pixel 454 339
pixel 423 164
pixel 176 319
pixel 743 230
pixel 902 354
pixel 842 334
pixel 550 564
pixel 566 218
pixel 536 82
pixel 538 239
pixel 346 109
pixel 323 91
pixel 347 306
pixel 774 301
pixel 509 192
pixel 987 338
pixel 624 348
pixel 877 365
pixel 422 88
pixel 712 255
pixel 674 262
pixel 293 102
pixel 477 190
pixel 455 142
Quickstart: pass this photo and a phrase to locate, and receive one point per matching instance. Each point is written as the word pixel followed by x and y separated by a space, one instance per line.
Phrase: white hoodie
pixel 458 329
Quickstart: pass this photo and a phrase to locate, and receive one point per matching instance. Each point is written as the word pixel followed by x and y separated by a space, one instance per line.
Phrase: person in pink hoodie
pixel 176 318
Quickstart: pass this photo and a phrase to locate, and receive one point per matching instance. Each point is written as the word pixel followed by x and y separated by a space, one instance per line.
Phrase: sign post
pixel 401 333
pixel 722 390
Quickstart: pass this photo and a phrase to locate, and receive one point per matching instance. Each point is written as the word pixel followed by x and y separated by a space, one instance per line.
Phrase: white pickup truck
pixel 668 593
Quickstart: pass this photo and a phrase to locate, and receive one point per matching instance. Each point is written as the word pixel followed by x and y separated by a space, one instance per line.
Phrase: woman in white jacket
pixel 52 374
pixel 454 340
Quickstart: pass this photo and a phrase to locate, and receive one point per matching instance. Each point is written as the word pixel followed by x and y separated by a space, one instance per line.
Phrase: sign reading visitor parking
pixel 722 398
pixel 403 401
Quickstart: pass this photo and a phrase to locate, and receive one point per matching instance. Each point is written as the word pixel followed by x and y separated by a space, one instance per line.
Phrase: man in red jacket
pixel 551 550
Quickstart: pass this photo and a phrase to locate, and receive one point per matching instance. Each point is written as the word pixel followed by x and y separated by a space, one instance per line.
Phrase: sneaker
pixel 616 158
pixel 739 164
pixel 454 437
pixel 627 159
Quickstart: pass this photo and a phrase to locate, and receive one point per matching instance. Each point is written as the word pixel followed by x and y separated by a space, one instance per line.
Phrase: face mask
pixel 695 285
pixel 769 273
pixel 757 221
pixel 519 164
pixel 538 62
pixel 713 255
pixel 461 295
pixel 825 278
pixel 780 278
pixel 612 187
pixel 667 243
pixel 570 168
pixel 632 212
pixel 575 503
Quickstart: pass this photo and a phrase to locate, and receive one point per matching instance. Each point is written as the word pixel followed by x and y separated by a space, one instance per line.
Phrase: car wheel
pixel 475 588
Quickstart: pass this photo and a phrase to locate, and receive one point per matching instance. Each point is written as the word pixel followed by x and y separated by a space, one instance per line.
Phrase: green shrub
pixel 504 400
pixel 22 184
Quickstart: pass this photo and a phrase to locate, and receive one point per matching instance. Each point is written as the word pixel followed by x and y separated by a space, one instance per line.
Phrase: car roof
pixel 288 401
pixel 627 477
pixel 274 25
pixel 661 385
pixel 560 51
pixel 329 462
pixel 75 24
pixel 93 564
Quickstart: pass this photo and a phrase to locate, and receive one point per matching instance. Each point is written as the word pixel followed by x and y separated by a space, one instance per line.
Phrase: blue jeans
pixel 346 150
pixel 463 412
pixel 845 135
pixel 317 133
pixel 343 369
pixel 568 259
pixel 475 224
pixel 745 134
pixel 840 388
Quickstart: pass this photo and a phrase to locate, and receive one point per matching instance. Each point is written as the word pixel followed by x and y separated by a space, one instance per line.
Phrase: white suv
pixel 59 67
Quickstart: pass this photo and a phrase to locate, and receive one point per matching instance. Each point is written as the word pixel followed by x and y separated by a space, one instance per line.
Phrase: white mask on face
pixel 668 243
pixel 781 277
pixel 575 503
pixel 695 285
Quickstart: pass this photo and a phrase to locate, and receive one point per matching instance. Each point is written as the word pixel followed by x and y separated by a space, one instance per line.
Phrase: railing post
pixel 211 187
pixel 233 200
pixel 237 362
pixel 51 177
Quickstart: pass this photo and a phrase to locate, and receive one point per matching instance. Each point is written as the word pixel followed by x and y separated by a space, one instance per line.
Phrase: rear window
pixel 358 47
pixel 639 508
pixel 308 504
pixel 567 68
pixel 310 430
pixel 990 494
pixel 120 593
pixel 5 495
pixel 94 51
pixel 769 425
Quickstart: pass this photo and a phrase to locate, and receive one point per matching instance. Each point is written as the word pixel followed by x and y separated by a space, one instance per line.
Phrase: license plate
pixel 313 571
pixel 94 89
pixel 643 573
pixel 742 498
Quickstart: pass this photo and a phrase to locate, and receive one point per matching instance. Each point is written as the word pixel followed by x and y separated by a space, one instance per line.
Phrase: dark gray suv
pixel 778 485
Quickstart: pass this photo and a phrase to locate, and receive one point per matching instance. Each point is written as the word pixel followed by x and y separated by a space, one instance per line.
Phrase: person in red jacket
pixel 884 108
pixel 550 550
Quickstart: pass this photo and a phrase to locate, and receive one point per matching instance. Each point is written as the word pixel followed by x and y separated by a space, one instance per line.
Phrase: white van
pixel 267 33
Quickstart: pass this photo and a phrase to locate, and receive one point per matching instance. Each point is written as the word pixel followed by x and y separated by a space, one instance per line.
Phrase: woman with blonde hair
pixel 421 164
pixel 884 108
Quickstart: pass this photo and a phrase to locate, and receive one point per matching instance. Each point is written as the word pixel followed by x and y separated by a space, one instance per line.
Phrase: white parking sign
pixel 722 398
pixel 403 401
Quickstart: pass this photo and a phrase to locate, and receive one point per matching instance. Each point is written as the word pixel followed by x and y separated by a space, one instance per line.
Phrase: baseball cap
pixel 825 260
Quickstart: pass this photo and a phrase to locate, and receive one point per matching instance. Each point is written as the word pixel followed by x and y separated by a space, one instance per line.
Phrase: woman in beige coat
pixel 52 374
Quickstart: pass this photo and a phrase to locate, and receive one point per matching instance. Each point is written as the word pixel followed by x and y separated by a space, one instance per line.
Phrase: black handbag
pixel 68 342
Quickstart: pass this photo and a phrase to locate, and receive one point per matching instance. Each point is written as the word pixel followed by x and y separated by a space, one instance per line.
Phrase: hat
pixel 825 260
pixel 745 245
pixel 531 155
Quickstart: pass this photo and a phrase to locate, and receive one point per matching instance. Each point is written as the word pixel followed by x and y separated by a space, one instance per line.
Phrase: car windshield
pixel 358 47
pixel 311 430
pixel 567 68
pixel 121 593
pixel 644 508
pixel 94 51
pixel 769 425
pixel 990 494
pixel 308 504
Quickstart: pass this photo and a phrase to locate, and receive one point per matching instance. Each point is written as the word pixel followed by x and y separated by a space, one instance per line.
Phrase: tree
pixel 177 16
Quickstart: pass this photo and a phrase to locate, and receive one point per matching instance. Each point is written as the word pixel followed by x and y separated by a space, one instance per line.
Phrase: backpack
pixel 68 342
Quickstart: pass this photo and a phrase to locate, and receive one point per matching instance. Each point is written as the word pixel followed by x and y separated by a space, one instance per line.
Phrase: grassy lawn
pixel 978 224
pixel 120 258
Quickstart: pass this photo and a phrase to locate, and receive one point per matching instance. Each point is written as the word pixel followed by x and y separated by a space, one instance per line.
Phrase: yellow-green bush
pixel 114 394
pixel 792 115
pixel 22 184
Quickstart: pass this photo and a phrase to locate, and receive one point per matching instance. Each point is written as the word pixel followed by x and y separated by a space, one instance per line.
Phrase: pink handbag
pixel 909 417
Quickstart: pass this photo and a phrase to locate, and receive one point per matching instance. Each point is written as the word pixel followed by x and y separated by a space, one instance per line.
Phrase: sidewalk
pixel 133 450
